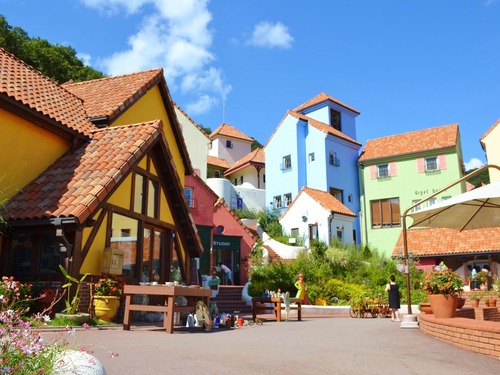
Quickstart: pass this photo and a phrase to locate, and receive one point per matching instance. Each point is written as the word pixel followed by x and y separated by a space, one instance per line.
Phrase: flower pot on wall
pixel 106 307
pixel 474 303
pixel 425 307
pixel 443 305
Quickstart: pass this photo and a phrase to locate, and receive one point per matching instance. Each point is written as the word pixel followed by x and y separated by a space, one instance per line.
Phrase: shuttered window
pixel 385 213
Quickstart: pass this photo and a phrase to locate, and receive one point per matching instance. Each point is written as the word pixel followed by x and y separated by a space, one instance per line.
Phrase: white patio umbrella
pixel 478 208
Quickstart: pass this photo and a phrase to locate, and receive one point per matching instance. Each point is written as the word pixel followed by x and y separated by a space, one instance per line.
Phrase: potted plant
pixel 475 297
pixel 72 303
pixel 442 286
pixel 106 299
pixel 482 279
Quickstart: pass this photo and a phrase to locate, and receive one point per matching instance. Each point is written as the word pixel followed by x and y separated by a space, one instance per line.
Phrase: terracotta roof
pixel 322 97
pixel 445 241
pixel 438 138
pixel 189 119
pixel 110 96
pixel 324 199
pixel 256 157
pixel 32 89
pixel 227 130
pixel 77 183
pixel 221 163
pixel 321 126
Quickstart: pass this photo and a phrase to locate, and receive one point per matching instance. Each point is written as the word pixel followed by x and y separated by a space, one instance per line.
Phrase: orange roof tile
pixel 229 131
pixel 108 97
pixel 77 183
pixel 256 157
pixel 438 138
pixel 221 163
pixel 321 126
pixel 32 89
pixel 322 97
pixel 445 241
pixel 324 199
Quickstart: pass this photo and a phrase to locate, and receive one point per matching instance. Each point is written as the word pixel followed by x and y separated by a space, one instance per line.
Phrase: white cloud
pixel 268 35
pixel 176 36
pixel 202 105
pixel 473 164
pixel 85 57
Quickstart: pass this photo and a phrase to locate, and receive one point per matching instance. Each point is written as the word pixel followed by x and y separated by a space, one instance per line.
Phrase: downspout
pixel 330 221
pixel 362 191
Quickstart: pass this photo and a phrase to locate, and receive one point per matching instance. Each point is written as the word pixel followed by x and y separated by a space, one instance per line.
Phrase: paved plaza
pixel 333 345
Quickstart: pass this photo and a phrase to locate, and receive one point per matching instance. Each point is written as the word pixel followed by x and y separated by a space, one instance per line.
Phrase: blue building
pixel 315 146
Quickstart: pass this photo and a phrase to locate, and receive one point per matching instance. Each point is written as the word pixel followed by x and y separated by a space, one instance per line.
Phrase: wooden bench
pixel 260 304
pixel 169 307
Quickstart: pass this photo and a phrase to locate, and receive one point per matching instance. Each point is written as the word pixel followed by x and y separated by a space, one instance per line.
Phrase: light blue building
pixel 315 146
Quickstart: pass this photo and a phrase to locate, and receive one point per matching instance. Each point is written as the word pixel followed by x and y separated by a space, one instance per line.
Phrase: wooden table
pixel 263 304
pixel 169 307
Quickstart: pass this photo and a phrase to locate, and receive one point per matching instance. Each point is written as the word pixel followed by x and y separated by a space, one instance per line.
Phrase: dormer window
pixel 335 119
pixel 229 144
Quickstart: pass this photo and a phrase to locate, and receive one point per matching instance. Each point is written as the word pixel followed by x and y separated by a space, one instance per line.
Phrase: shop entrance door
pixel 227 251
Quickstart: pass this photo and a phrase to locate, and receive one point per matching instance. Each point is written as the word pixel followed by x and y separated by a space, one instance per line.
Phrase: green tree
pixel 55 61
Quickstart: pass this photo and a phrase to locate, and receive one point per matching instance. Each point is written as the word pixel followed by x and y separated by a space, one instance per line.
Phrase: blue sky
pixel 405 65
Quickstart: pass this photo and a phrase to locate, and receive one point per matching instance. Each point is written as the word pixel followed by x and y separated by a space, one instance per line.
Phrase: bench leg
pixel 299 312
pixel 127 315
pixel 168 321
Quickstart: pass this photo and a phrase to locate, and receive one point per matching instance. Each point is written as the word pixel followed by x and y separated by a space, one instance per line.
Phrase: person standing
pixel 228 275
pixel 394 298
pixel 301 289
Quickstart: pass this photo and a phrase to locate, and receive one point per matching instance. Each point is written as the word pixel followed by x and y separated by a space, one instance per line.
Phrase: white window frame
pixel 311 157
pixel 277 202
pixel 429 162
pixel 287 199
pixel 383 171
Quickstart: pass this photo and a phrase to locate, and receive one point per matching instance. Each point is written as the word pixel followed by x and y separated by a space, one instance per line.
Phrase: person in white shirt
pixel 228 275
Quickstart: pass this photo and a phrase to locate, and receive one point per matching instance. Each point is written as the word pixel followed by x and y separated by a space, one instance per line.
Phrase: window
pixel 264 178
pixel 333 160
pixel 277 201
pixel 385 213
pixel 338 194
pixel 235 182
pixel 294 232
pixel 146 195
pixel 335 119
pixel 287 162
pixel 416 208
pixel 445 198
pixel 229 144
pixel 431 164
pixel 241 180
pixel 217 174
pixel 188 193
pixel 349 198
pixel 311 157
pixel 288 199
pixel 431 201
pixel 382 170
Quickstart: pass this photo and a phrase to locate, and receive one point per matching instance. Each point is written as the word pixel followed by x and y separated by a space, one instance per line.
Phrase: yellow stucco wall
pixel 93 261
pixel 151 107
pixel 121 197
pixel 30 149
pixel 491 142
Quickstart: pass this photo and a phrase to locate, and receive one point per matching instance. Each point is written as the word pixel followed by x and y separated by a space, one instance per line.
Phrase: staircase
pixel 229 300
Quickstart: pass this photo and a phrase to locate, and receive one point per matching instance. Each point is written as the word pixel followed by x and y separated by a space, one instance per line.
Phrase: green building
pixel 400 170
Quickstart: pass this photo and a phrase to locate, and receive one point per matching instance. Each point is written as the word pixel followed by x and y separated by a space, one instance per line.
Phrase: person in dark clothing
pixel 394 298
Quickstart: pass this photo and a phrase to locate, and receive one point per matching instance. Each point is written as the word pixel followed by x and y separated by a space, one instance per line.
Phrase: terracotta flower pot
pixel 443 305
pixel 474 303
pixel 425 307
